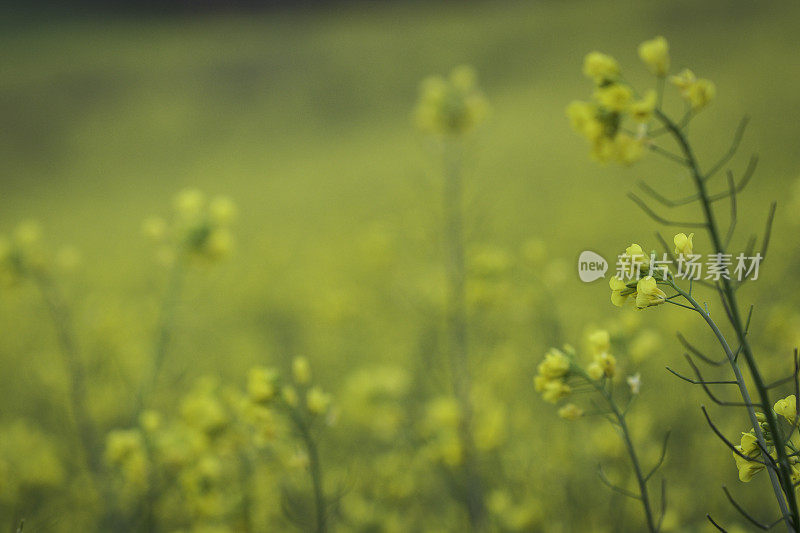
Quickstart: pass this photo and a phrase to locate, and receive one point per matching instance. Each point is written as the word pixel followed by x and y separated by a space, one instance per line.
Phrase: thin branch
pixel 737 138
pixel 728 443
pixel 702 383
pixel 609 484
pixel 719 527
pixel 660 459
pixel 686 344
pixel 669 155
pixel 742 510
pixel 743 182
pixel 695 382
pixel 732 225
pixel 661 220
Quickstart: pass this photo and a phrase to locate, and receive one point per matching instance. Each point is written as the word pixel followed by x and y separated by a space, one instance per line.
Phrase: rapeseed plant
pixel 561 376
pixel 648 277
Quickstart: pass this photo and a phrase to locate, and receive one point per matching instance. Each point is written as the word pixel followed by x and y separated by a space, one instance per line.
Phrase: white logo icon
pixel 591 266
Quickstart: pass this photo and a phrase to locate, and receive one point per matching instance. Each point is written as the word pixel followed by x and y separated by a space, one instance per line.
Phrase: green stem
pixel 163 334
pixel 314 469
pixel 79 403
pixel 782 486
pixel 619 415
pixel 457 331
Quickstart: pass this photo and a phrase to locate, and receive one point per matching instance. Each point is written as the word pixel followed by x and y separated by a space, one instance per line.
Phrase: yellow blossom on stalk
pixel 697 91
pixel 599 67
pixel 189 204
pixel 555 390
pixel 642 110
pixel 555 364
pixel 600 341
pixel 570 412
pixel 583 118
pixel 787 408
pixel 701 93
pixel 683 244
pixel 450 106
pixel 628 149
pixel 648 294
pixel 301 371
pixel 620 292
pixel 635 252
pixel 655 54
pixel 317 401
pixel 154 228
pixel 749 448
pixel 614 97
pixel 595 371
pixel 684 79
pixel 262 384
pixel 222 210
pixel 607 363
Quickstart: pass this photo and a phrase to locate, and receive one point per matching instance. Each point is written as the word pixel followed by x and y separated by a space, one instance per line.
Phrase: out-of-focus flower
pixel 655 54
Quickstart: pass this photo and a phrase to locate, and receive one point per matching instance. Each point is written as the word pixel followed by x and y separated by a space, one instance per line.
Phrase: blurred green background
pixel 303 117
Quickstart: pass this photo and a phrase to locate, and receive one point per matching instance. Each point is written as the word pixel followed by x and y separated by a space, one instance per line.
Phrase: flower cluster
pixel 559 373
pixel 265 388
pixel 24 253
pixel 749 455
pixel 643 289
pixel 602 121
pixel 199 227
pixel 450 106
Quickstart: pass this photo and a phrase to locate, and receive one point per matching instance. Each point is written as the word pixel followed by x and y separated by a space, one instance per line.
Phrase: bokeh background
pixel 303 116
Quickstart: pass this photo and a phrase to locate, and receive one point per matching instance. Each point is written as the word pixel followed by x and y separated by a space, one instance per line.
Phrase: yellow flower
pixel 635 252
pixel 628 149
pixel 189 204
pixel 620 292
pixel 607 363
pixel 648 294
pixel 555 390
pixel 683 244
pixel 450 106
pixel 747 469
pixel 555 364
pixel 684 79
pixel 262 384
pixel 615 97
pixel 583 118
pixel 222 210
pixel 787 408
pixel 701 93
pixel 600 67
pixel 642 110
pixel 301 371
pixel 655 54
pixel 749 448
pixel 595 371
pixel 317 401
pixel 749 444
pixel 570 412
pixel 600 341
pixel 698 92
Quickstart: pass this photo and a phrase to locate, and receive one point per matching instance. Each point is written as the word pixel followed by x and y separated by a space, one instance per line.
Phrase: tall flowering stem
pixel 449 109
pixel 780 472
pixel 458 347
pixel 62 321
pixel 561 375
pixel 618 126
